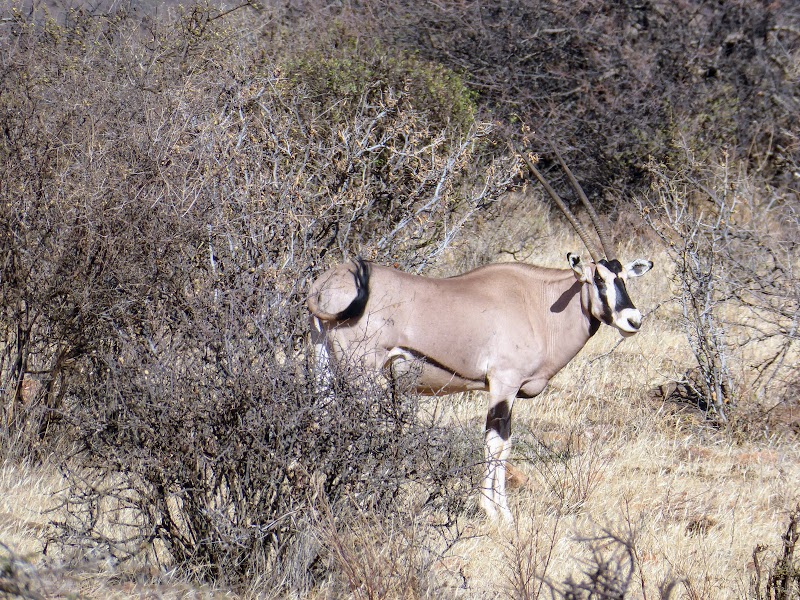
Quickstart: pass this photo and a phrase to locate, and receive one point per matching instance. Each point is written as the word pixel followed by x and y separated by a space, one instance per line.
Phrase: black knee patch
pixel 498 419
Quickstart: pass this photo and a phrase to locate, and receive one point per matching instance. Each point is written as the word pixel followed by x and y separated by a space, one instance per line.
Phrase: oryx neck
pixel 569 325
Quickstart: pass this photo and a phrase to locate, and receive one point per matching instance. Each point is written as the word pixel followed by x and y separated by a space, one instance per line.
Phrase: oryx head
pixel 608 299
pixel 605 278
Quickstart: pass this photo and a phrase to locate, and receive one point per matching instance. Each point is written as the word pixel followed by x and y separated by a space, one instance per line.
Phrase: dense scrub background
pixel 621 81
pixel 170 182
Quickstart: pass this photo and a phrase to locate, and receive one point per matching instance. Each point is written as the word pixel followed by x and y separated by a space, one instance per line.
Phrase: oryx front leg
pixel 497 450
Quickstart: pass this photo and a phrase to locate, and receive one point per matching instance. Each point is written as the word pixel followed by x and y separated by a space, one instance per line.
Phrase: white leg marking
pixel 493 494
pixel 322 359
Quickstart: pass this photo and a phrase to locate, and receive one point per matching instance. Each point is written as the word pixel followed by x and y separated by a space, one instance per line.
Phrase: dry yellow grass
pixel 25 494
pixel 28 505
pixel 697 505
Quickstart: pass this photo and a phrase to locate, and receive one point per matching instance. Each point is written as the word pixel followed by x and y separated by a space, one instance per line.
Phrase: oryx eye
pixel 599 281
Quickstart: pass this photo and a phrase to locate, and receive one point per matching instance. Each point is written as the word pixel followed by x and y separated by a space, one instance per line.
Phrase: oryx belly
pixel 426 376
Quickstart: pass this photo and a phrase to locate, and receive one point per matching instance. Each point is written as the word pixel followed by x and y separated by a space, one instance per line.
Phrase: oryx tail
pixel 343 294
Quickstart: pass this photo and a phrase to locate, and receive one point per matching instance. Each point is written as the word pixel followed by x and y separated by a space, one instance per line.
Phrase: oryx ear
pixel 581 273
pixel 638 267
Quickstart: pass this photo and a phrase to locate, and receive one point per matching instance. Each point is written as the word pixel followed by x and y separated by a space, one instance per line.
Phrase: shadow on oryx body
pixel 504 328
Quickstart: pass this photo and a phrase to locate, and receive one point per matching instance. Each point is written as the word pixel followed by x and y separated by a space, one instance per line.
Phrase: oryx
pixel 504 328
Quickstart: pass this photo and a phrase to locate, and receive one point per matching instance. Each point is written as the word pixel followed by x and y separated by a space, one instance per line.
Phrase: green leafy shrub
pixel 347 70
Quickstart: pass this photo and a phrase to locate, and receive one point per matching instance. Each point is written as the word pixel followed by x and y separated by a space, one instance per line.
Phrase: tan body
pixel 513 344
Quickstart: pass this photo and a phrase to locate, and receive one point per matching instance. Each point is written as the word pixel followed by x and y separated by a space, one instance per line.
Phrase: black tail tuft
pixel 359 303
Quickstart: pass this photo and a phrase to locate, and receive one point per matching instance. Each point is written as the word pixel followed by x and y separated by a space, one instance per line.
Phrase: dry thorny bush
pixel 734 252
pixel 778 577
pixel 169 190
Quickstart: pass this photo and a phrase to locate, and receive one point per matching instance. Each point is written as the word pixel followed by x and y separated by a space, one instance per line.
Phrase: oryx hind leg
pixel 323 372
pixel 497 450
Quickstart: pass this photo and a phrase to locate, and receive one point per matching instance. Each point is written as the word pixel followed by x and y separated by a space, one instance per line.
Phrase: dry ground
pixel 602 460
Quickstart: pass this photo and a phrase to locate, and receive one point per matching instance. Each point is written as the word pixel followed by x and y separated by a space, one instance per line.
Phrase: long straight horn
pixel 560 203
pixel 601 231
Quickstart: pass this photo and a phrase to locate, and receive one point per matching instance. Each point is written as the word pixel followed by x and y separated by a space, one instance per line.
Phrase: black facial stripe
pixel 594 325
pixel 602 293
pixel 623 300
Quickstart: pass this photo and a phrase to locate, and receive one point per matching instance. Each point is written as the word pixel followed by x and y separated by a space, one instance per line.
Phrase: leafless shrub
pixel 612 569
pixel 529 555
pixel 570 470
pixel 607 565
pixel 781 579
pixel 218 478
pixel 376 557
pixel 608 574
pixel 17 577
pixel 734 254
pixel 168 194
